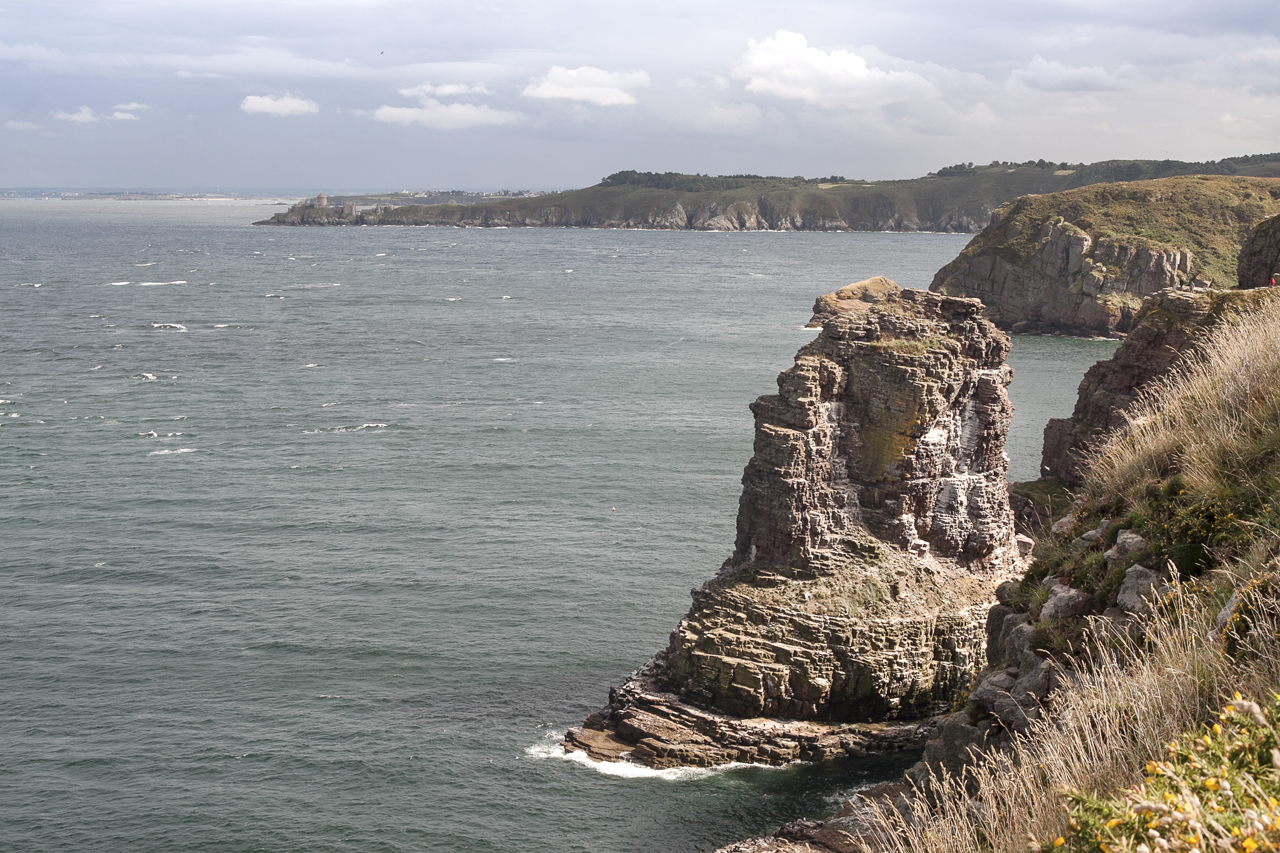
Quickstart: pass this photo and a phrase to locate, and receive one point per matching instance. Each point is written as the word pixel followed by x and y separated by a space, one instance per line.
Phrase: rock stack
pixel 873 529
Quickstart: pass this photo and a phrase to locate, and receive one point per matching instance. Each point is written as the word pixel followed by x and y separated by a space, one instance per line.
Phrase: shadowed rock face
pixel 1260 255
pixel 873 527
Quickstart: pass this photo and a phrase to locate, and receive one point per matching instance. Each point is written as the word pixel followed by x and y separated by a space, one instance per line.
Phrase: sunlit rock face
pixel 873 527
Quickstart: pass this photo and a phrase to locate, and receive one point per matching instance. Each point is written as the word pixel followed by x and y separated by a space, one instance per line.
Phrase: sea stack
pixel 873 529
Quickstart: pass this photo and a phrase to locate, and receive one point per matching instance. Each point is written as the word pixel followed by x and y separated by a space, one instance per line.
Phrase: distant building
pixel 349 209
pixel 322 200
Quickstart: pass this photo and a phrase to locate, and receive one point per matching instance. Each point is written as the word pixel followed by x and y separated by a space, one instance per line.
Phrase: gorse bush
pixel 1214 791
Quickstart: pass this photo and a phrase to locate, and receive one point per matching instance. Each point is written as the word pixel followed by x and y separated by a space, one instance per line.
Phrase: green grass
pixel 1208 215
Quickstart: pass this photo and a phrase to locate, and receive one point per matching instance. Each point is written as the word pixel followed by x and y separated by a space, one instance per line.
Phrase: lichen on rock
pixel 873 527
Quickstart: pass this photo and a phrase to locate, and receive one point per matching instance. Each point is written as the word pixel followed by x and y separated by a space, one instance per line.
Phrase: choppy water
pixel 310 538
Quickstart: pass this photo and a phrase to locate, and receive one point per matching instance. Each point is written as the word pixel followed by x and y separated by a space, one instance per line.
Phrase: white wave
pixel 151 434
pixel 118 283
pixel 504 359
pixel 220 325
pixel 91 369
pixel 313 365
pixel 160 283
pixel 327 405
pixel 178 326
pixel 273 296
pixel 568 270
pixel 453 299
pixel 148 264
pixel 623 769
pixel 145 377
pixel 172 452
pixel 381 255
pixel 506 297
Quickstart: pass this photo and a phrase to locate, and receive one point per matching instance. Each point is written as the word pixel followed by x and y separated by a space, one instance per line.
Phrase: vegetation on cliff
pixel 1139 749
pixel 1082 261
pixel 956 198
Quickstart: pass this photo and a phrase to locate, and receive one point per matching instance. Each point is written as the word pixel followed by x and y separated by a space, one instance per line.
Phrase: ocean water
pixel 318 539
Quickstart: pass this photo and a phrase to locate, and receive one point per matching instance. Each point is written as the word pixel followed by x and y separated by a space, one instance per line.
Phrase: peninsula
pixel 959 198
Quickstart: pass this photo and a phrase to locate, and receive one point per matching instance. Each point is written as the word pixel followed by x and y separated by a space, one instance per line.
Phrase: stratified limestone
pixel 873 527
pixel 1167 326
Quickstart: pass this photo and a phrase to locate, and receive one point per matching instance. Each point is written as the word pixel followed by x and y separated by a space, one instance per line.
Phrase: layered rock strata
pixel 873 527
pixel 1053 263
pixel 1071 284
pixel 1167 326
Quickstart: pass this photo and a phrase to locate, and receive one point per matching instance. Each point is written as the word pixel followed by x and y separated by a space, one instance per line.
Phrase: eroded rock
pixel 873 528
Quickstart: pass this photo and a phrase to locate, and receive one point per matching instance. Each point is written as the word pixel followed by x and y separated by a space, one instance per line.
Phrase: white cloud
pixel 438 116
pixel 119 116
pixel 735 118
pixel 785 66
pixel 593 85
pixel 31 53
pixel 131 107
pixel 14 124
pixel 283 105
pixel 444 90
pixel 84 115
pixel 1052 76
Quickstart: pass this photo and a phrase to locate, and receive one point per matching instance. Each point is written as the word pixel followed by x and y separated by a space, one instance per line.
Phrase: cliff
pixel 873 528
pixel 1167 325
pixel 956 199
pixel 1260 256
pixel 1082 261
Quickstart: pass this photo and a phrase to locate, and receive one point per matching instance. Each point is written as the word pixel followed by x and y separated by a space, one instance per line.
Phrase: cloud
pixel 734 118
pixel 131 107
pixel 1052 76
pixel 438 116
pixel 14 124
pixel 444 90
pixel 593 85
pixel 785 66
pixel 283 105
pixel 84 115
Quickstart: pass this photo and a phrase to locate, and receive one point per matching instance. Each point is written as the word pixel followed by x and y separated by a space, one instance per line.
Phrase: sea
pixel 318 539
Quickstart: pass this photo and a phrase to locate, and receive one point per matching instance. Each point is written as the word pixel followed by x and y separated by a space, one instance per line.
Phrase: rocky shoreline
pixel 873 529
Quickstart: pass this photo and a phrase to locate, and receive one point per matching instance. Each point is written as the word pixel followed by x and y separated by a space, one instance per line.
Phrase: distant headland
pixel 958 199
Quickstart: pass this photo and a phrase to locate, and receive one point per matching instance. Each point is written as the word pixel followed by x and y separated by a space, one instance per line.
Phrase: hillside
pixel 1081 261
pixel 958 198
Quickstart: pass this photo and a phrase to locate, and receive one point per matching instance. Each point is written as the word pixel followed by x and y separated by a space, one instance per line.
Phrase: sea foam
pixel 553 749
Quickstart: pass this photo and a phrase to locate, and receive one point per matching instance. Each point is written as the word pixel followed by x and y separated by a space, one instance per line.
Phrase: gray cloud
pixel 551 93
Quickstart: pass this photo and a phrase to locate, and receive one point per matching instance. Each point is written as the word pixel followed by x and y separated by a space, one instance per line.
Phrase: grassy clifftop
pixel 1207 215
pixel 958 198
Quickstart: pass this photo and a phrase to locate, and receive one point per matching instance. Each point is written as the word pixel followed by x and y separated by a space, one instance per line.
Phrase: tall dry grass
pixel 1108 722
pixel 1210 419
pixel 1214 423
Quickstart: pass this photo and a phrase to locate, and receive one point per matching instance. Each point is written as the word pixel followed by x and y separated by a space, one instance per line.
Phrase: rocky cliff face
pixel 1053 263
pixel 873 528
pixel 1167 325
pixel 1071 284
pixel 759 214
pixel 1260 255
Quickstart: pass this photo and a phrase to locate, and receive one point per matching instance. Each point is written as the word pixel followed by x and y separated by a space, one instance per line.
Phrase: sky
pixel 341 95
